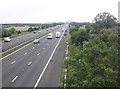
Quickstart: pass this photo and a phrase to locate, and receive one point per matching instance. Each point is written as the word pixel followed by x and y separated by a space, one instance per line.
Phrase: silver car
pixel 36 41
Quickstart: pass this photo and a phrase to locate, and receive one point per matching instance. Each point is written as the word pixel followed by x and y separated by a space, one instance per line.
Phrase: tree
pixel 5 33
pixel 19 32
pixel 12 30
pixel 105 20
pixel 79 37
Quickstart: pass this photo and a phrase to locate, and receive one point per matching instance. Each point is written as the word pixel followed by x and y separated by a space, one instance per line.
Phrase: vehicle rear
pixel 36 41
pixel 57 34
pixel 50 36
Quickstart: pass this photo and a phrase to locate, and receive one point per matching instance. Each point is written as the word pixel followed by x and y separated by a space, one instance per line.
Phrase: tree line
pixel 5 32
pixel 93 53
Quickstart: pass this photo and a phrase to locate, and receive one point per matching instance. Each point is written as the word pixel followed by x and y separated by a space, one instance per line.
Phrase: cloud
pixel 54 10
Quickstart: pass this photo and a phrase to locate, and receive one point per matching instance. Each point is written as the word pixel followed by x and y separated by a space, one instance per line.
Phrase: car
pixel 34 31
pixel 65 34
pixel 39 31
pixel 36 41
pixel 7 39
pixel 50 36
pixel 46 29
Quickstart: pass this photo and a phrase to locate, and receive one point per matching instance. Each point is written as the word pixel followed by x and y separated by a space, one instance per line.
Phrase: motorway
pixel 19 39
pixel 35 65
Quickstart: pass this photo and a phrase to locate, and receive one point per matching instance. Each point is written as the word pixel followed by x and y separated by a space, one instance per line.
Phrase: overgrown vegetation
pixel 93 54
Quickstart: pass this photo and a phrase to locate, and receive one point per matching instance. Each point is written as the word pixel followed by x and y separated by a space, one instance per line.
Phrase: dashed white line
pixel 25 53
pixel 18 49
pixel 14 79
pixel 38 54
pixel 13 62
pixel 30 63
pixel 33 47
pixel 37 82
pixel 43 48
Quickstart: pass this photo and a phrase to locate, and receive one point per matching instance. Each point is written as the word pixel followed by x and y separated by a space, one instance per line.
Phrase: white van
pixel 57 34
pixel 50 36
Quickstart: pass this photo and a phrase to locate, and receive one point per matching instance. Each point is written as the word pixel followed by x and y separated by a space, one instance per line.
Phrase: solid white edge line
pixel 14 79
pixel 18 49
pixel 36 84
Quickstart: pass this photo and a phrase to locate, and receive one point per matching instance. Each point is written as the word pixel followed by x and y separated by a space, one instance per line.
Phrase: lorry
pixel 57 34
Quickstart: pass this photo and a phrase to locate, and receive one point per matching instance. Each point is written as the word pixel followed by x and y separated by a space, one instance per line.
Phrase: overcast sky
pixel 42 11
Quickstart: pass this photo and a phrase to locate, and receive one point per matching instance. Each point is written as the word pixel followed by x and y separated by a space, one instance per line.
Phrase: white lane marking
pixel 25 53
pixel 33 47
pixel 38 54
pixel 14 79
pixel 36 84
pixel 30 63
pixel 13 62
pixel 38 44
pixel 10 43
pixel 43 48
pixel 19 49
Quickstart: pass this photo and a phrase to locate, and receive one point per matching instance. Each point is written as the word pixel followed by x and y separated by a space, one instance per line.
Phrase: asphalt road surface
pixel 36 65
pixel 19 39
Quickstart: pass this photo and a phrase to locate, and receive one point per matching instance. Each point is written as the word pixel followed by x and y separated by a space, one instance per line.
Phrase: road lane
pixel 27 74
pixel 52 75
pixel 27 50
pixel 23 64
pixel 20 39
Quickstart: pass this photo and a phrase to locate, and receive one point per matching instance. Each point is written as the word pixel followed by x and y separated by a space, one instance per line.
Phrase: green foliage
pixel 12 30
pixel 19 32
pixel 93 56
pixel 33 29
pixel 105 20
pixel 79 35
pixel 6 33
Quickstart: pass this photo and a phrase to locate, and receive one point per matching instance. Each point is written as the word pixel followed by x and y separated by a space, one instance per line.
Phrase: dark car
pixel 65 34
